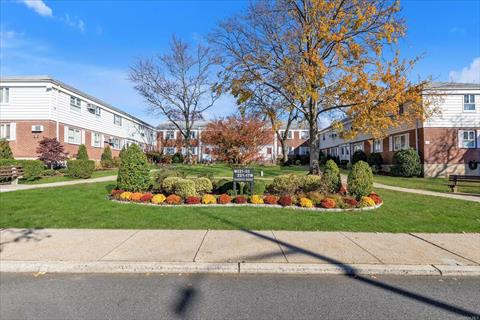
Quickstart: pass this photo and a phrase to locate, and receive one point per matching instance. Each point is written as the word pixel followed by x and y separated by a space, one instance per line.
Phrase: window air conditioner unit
pixel 91 107
pixel 37 128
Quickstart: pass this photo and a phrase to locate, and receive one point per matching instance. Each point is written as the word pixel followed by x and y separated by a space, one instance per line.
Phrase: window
pixel 170 135
pixel 290 150
pixel 467 139
pixel 4 95
pixel 6 131
pixel 93 109
pixel 96 139
pixel 75 104
pixel 323 137
pixel 400 142
pixel 269 150
pixel 117 120
pixel 193 134
pixel 304 151
pixel 469 102
pixel 170 151
pixel 304 135
pixel 378 145
pixel 358 146
pixel 74 136
pixel 115 143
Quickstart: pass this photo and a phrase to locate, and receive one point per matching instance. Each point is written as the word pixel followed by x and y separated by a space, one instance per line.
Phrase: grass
pixel 86 206
pixel 96 174
pixel 223 170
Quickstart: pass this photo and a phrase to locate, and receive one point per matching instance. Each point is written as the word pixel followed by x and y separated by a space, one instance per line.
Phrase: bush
pixel 270 199
pixel 136 196
pixel 158 198
pixel 208 199
pixel 316 197
pixel 285 184
pixel 116 161
pixel 168 184
pixel 359 155
pixel 162 174
pixel 311 183
pixel 223 185
pixel 328 203
pixel 256 199
pixel 177 158
pixel 350 201
pixel 173 199
pixel 5 151
pixel 193 200
pixel 184 188
pixel 375 161
pixel 147 197
pixel 360 180
pixel 81 169
pixel 258 188
pixel 82 153
pixel 224 199
pixel 240 199
pixel 50 173
pixel 203 185
pixel 154 156
pixel 285 201
pixel 134 172
pixel 106 159
pixel 406 163
pixel 306 203
pixel 32 169
pixel 331 177
pixel 366 202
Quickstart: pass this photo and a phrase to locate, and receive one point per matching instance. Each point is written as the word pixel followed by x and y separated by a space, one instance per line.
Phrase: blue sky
pixel 91 44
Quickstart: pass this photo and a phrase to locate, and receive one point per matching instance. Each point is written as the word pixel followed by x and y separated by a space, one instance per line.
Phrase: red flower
pixel 146 197
pixel 350 201
pixel 270 199
pixel 241 199
pixel 375 197
pixel 285 201
pixel 116 193
pixel 224 199
pixel 193 200
pixel 328 203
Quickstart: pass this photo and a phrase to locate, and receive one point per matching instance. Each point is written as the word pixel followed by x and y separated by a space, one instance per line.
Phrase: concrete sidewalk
pixel 16 187
pixel 237 251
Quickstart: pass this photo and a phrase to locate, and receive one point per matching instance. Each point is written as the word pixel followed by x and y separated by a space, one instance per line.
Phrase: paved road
pixel 26 296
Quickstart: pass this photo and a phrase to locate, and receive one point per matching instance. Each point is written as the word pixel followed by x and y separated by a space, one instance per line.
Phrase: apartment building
pixel 34 107
pixel 448 142
pixel 170 142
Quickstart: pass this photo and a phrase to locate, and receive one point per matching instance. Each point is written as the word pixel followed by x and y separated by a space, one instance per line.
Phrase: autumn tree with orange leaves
pixel 324 57
pixel 236 140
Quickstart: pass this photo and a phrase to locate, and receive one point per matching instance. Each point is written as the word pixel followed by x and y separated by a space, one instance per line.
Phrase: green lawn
pixel 86 206
pixel 223 170
pixel 96 174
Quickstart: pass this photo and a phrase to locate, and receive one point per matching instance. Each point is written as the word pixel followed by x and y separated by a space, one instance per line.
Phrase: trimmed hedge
pixel 310 183
pixel 134 171
pixel 360 180
pixel 82 153
pixel 32 169
pixel 106 159
pixel 284 184
pixel 359 155
pixel 184 188
pixel 80 169
pixel 375 160
pixel 406 163
pixel 203 185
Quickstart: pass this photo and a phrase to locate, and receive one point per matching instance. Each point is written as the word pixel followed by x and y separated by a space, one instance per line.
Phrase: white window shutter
pixel 390 143
pixel 83 136
pixel 407 140
pixel 92 139
pixel 460 138
pixel 65 134
pixel 13 131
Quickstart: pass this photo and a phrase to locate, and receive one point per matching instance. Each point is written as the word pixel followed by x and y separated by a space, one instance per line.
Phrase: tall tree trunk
pixel 284 151
pixel 314 147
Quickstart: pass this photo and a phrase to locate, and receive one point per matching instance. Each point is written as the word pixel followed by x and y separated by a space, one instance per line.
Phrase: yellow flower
pixel 158 198
pixel 208 199
pixel 125 195
pixel 256 199
pixel 366 202
pixel 306 203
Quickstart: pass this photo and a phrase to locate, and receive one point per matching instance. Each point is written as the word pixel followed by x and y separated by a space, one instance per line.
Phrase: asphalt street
pixel 154 296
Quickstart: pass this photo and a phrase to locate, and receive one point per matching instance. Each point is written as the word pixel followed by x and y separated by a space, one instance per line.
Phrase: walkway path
pixel 12 187
pixel 234 251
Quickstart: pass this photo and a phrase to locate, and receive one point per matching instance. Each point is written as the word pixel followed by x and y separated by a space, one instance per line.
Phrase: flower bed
pixel 332 203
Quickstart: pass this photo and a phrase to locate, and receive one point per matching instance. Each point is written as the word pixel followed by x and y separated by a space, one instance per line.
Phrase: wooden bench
pixel 12 173
pixel 455 179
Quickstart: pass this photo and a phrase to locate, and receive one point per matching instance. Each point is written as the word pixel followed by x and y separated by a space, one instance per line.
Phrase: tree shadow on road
pixel 10 236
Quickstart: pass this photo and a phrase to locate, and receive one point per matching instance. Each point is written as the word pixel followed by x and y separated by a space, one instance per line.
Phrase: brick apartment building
pixel 39 106
pixel 169 142
pixel 448 142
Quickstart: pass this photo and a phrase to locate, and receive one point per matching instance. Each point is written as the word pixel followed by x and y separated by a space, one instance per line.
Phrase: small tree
pixel 236 141
pixel 82 153
pixel 106 158
pixel 360 180
pixel 331 179
pixel 134 172
pixel 5 151
pixel 51 152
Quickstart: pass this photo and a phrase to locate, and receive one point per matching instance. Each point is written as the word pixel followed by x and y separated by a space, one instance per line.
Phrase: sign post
pixel 242 175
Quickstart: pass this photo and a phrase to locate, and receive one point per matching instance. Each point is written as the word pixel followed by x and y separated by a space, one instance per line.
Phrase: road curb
pixel 234 268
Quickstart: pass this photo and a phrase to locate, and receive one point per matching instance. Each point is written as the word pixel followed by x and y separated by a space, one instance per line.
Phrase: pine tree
pixel 5 151
pixel 82 153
